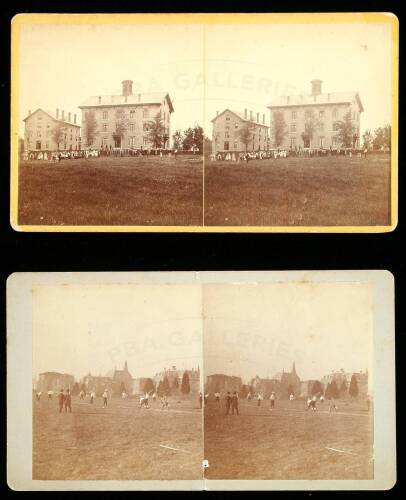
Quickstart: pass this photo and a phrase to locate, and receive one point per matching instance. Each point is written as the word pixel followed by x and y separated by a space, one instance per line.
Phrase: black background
pixel 182 252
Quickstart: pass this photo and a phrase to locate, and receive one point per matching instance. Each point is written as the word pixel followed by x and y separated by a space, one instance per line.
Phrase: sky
pixel 262 330
pixel 205 69
pixel 247 330
pixel 79 329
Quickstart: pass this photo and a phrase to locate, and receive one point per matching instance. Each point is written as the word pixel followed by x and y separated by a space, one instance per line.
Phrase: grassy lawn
pixel 288 442
pixel 121 441
pixel 153 191
pixel 299 192
pixel 111 191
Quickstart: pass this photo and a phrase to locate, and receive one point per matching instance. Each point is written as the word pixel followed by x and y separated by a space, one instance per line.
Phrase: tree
pixel 58 133
pixel 317 388
pixel 334 389
pixel 346 133
pixel 279 131
pixel 149 386
pixel 188 139
pixel 121 127
pixel 166 389
pixel 90 128
pixel 343 388
pixel 177 139
pixel 198 137
pixel 327 392
pixel 382 137
pixel 185 386
pixel 353 390
pixel 246 134
pixel 156 131
pixel 310 125
pixel 159 390
pixel 175 385
pixel 207 145
pixel 367 140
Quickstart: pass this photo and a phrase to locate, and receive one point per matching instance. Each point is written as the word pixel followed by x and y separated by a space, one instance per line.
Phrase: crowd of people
pixel 284 153
pixel 57 156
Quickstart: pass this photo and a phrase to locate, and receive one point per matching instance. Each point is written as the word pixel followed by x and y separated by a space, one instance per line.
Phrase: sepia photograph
pixel 194 381
pixel 289 381
pixel 116 382
pixel 205 122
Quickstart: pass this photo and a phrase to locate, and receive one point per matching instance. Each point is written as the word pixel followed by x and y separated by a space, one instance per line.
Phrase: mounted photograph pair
pixel 205 122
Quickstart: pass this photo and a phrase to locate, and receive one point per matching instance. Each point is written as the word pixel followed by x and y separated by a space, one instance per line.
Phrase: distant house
pixel 114 381
pixel 227 127
pixel 325 108
pixel 39 131
pixel 122 119
pixel 289 383
pixel 265 386
pixel 54 381
pixel 222 383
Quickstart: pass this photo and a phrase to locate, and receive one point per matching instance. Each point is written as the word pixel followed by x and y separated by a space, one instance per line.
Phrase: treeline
pixel 377 140
pixel 190 139
pixel 165 388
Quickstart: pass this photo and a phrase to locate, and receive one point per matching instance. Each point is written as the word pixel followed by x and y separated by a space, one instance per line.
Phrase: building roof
pixel 52 116
pixel 314 100
pixel 240 116
pixel 132 99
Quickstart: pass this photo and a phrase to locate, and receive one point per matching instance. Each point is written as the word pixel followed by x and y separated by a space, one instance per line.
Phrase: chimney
pixel 74 118
pixel 316 87
pixel 57 113
pixel 69 116
pixel 328 97
pixel 251 115
pixel 257 117
pixel 29 112
pixel 127 87
pixel 63 115
pixel 263 118
pixel 217 113
pixel 99 99
pixel 245 113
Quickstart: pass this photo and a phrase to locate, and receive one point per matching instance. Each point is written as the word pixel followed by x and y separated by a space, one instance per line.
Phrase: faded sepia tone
pixel 279 345
pixel 201 380
pixel 234 122
pixel 110 346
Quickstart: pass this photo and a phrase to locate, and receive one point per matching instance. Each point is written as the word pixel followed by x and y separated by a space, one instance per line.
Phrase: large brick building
pixel 128 112
pixel 324 109
pixel 39 131
pixel 227 127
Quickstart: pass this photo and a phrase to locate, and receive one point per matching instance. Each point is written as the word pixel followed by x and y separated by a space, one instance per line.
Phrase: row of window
pixel 321 114
pixel 131 127
pixel 145 114
pixel 131 141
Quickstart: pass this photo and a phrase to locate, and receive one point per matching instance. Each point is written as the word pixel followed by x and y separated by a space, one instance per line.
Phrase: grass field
pixel 323 191
pixel 112 191
pixel 315 191
pixel 288 442
pixel 121 441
